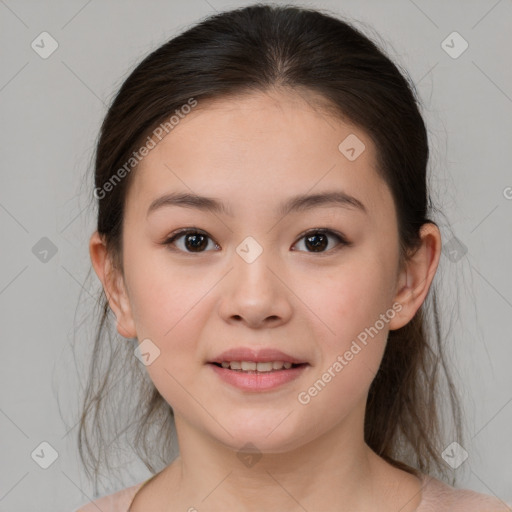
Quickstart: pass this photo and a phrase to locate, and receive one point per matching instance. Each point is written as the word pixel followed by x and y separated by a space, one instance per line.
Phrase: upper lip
pixel 261 355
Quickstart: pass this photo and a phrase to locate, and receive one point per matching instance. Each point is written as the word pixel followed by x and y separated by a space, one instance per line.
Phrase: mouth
pixel 258 367
pixel 259 376
pixel 253 369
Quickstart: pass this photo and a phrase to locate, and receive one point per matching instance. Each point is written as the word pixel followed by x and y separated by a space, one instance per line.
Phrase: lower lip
pixel 258 381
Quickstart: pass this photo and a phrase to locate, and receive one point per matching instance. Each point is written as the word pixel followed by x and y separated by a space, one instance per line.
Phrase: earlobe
pixel 113 286
pixel 416 277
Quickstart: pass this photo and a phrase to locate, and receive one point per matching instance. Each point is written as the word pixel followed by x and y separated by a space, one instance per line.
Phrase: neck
pixel 337 470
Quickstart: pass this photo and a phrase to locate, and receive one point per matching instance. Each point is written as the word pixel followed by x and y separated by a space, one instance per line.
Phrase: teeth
pixel 264 367
pixel 248 365
pixel 254 366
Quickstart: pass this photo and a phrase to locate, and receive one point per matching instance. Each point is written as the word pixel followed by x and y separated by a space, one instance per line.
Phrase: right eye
pixel 194 239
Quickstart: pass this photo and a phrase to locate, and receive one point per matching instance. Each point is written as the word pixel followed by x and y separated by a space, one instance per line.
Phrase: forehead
pixel 259 148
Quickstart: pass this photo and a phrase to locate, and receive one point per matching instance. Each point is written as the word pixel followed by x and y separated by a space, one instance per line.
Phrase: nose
pixel 256 294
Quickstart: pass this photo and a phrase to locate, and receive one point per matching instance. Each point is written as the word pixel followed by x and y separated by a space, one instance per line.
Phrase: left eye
pixel 197 240
pixel 317 239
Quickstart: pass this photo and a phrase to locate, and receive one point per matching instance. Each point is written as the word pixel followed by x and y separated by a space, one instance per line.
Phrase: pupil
pixel 318 244
pixel 197 241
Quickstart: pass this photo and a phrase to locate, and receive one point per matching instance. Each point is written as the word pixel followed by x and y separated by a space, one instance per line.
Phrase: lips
pixel 257 370
pixel 263 355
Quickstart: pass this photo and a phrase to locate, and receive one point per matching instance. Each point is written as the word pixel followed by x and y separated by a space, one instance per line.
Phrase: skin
pixel 253 152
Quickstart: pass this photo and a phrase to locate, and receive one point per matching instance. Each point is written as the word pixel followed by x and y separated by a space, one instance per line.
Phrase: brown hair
pixel 258 48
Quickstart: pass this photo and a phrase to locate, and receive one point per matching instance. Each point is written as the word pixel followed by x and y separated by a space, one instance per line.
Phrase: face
pixel 252 275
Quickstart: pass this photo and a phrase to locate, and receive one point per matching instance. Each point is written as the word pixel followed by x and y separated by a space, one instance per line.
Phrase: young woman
pixel 264 242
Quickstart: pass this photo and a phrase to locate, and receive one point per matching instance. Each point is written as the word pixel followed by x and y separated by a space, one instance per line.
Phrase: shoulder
pixel 117 502
pixel 440 497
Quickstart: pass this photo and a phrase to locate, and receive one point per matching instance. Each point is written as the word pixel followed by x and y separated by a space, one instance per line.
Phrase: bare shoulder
pixel 439 496
pixel 146 496
pixel 116 502
pixel 160 491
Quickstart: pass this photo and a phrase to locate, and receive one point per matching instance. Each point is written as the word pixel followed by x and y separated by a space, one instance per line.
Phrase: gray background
pixel 51 110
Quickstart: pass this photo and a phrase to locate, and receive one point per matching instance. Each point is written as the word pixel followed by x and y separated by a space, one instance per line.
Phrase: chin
pixel 263 437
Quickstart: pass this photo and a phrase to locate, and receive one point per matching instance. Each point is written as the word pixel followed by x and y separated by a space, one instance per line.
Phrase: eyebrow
pixel 297 203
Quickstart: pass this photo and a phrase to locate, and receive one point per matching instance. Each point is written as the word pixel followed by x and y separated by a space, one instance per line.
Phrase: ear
pixel 113 284
pixel 416 277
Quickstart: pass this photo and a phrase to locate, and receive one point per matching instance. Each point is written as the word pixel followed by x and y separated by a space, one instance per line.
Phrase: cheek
pixel 162 296
pixel 168 308
pixel 352 333
pixel 348 299
pixel 352 353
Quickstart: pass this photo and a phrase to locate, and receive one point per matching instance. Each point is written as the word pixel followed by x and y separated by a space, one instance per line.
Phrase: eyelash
pixel 178 234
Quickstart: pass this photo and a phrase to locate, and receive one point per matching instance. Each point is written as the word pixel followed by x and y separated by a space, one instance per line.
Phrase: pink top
pixel 436 497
